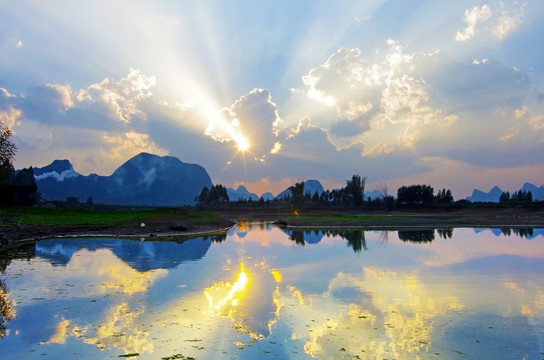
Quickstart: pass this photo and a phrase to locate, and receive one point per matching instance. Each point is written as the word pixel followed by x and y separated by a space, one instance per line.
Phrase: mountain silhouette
pixel 241 193
pixel 310 186
pixel 492 196
pixel 145 179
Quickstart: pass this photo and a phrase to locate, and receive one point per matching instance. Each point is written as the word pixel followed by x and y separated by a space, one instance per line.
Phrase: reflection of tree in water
pixel 521 232
pixel 6 310
pixel 356 239
pixel 298 237
pixel 218 238
pixel 416 236
pixel 446 233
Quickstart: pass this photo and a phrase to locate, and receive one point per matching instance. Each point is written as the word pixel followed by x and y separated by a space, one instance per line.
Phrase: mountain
pixel 538 192
pixel 241 193
pixel 310 186
pixel 145 179
pixel 374 194
pixel 268 196
pixel 58 169
pixel 480 196
pixel 494 194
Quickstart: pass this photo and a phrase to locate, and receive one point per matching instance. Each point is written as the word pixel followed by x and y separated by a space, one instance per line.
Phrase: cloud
pixel 127 145
pixel 104 105
pixel 383 104
pixel 478 14
pixel 253 119
pixel 490 22
pixel 66 174
pixel 348 83
pixel 506 24
pixel 8 112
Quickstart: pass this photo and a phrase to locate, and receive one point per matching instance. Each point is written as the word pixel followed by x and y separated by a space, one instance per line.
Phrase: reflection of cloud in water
pixel 105 273
pixel 112 274
pixel 393 316
pixel 466 247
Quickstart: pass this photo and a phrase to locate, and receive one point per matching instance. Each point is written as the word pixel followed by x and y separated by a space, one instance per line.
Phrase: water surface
pixel 262 292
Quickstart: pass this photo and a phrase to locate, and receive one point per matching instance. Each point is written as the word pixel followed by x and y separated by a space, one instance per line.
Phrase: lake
pixel 263 292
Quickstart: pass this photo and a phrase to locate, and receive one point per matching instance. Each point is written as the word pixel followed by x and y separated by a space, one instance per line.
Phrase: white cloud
pixel 383 105
pixel 494 20
pixel 506 24
pixel 9 117
pixel 253 119
pixel 120 99
pixel 125 146
pixel 478 14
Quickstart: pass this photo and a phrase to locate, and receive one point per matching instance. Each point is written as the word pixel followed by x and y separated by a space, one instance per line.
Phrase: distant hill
pixel 494 194
pixel 145 179
pixel 310 186
pixel 374 194
pixel 268 196
pixel 241 193
pixel 480 196
pixel 538 192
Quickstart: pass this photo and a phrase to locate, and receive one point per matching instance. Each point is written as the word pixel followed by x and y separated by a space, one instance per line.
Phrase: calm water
pixel 261 292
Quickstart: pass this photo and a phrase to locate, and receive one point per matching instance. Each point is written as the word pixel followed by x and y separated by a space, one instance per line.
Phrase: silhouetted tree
pixel 355 188
pixel 415 195
pixel 297 194
pixel 7 147
pixel 504 198
pixel 216 194
pixel 444 196
pixel 204 195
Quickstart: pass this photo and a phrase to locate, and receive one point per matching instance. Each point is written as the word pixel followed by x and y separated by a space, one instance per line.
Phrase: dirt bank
pixel 160 226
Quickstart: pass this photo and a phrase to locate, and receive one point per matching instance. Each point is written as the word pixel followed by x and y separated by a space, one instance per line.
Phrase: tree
pixel 415 195
pixel 505 197
pixel 7 154
pixel 7 147
pixel 216 194
pixel 204 195
pixel 444 196
pixel 297 194
pixel 355 189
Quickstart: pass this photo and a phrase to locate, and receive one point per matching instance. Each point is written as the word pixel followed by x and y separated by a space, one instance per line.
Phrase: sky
pixel 266 94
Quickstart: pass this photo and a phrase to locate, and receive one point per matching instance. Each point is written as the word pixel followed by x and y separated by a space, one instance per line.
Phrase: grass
pixel 84 216
pixel 348 218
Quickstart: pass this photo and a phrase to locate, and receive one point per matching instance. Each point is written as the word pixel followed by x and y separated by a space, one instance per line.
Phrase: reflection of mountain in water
pixel 140 255
pixel 355 238
pixel 527 233
pixel 301 237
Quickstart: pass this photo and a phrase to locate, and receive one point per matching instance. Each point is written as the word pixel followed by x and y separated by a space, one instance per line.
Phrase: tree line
pixel 16 187
pixel 352 196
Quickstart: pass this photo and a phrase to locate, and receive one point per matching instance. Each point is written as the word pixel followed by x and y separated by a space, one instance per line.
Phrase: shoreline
pixel 159 227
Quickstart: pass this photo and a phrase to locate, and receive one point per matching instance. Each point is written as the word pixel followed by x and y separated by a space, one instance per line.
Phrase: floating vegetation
pixel 177 356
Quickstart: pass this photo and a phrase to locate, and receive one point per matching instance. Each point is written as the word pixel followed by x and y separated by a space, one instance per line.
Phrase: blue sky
pixel 268 93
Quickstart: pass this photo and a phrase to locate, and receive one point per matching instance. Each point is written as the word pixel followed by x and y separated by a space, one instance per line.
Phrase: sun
pixel 242 143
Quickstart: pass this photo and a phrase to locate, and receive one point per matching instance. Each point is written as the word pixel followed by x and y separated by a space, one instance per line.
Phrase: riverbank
pixel 30 224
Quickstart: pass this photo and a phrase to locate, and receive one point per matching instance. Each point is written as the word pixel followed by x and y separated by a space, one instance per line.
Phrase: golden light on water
pixel 226 293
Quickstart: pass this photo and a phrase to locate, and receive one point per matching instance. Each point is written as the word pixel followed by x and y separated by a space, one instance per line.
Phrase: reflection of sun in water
pixel 226 293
